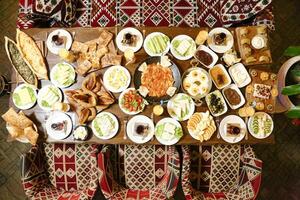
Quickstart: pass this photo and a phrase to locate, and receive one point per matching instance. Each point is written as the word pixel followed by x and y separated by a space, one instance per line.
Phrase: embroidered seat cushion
pixel 220 172
pixel 54 12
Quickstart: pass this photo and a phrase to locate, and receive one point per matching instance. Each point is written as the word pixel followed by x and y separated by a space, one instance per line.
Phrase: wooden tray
pixel 257 54
pixel 269 103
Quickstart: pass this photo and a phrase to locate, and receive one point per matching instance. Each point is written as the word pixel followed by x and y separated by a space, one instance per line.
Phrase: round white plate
pixel 113 132
pixel 155 54
pixel 43 91
pixel 109 71
pixel 235 120
pixel 25 107
pixel 61 32
pixel 175 54
pixel 54 69
pixel 56 117
pixel 170 120
pixel 220 48
pixel 123 109
pixel 170 105
pixel 132 31
pixel 131 132
pixel 260 136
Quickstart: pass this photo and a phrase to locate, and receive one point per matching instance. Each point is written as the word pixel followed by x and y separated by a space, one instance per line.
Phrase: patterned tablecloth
pixel 192 13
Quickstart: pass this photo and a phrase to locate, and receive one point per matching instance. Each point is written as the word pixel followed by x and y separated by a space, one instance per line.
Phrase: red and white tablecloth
pixel 192 13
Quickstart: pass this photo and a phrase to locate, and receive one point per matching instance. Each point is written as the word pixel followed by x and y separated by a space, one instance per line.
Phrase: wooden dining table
pixel 40 116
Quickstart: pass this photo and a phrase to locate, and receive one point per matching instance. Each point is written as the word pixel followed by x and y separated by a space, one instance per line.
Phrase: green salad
pixel 180 106
pixel 64 74
pixel 51 96
pixel 185 47
pixel 158 43
pixel 24 96
pixel 104 124
pixel 168 131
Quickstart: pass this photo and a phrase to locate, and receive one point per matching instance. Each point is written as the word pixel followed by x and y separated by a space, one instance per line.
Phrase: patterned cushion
pixel 70 166
pixel 141 166
pixel 61 171
pixel 149 172
pixel 55 11
pixel 192 13
pixel 221 172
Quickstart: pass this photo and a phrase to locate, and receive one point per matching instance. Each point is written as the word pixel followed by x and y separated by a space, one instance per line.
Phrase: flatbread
pixel 32 54
pixel 15 119
pixel 31 135
pixel 14 131
pixel 111 59
pixel 79 47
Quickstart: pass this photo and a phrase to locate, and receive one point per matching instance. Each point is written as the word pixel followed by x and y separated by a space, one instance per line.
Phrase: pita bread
pixel 32 54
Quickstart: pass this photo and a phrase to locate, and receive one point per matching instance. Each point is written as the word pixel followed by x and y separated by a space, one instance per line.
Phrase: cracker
pixel 79 47
pixel 31 135
pixel 15 119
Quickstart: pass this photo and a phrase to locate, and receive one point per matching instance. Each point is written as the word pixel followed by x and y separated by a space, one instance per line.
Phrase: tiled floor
pixel 281 172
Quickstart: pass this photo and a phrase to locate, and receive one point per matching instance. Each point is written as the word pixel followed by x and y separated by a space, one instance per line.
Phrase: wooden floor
pixel 281 170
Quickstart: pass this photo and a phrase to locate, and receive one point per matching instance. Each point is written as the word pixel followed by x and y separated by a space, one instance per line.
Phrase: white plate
pixel 109 71
pixel 27 106
pixel 259 135
pixel 175 54
pixel 55 117
pixel 171 105
pixel 234 87
pixel 213 54
pixel 123 109
pixel 225 73
pixel 55 68
pixel 147 49
pixel 240 67
pixel 220 48
pixel 61 32
pixel 43 91
pixel 112 133
pixel 131 132
pixel 222 99
pixel 132 31
pixel 235 120
pixel 168 142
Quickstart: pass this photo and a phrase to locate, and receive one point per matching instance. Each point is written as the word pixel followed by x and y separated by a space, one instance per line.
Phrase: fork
pixel 125 126
pixel 218 126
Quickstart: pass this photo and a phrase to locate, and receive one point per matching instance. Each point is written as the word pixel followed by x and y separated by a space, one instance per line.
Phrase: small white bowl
pixel 234 87
pixel 242 69
pixel 209 51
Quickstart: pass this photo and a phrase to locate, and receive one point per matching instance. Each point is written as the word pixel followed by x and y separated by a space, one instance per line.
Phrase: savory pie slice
pixel 19 63
pixel 32 54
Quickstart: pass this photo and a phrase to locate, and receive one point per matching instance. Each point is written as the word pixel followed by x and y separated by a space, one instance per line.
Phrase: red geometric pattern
pixel 218 158
pixel 191 13
pixel 165 188
pixel 72 169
